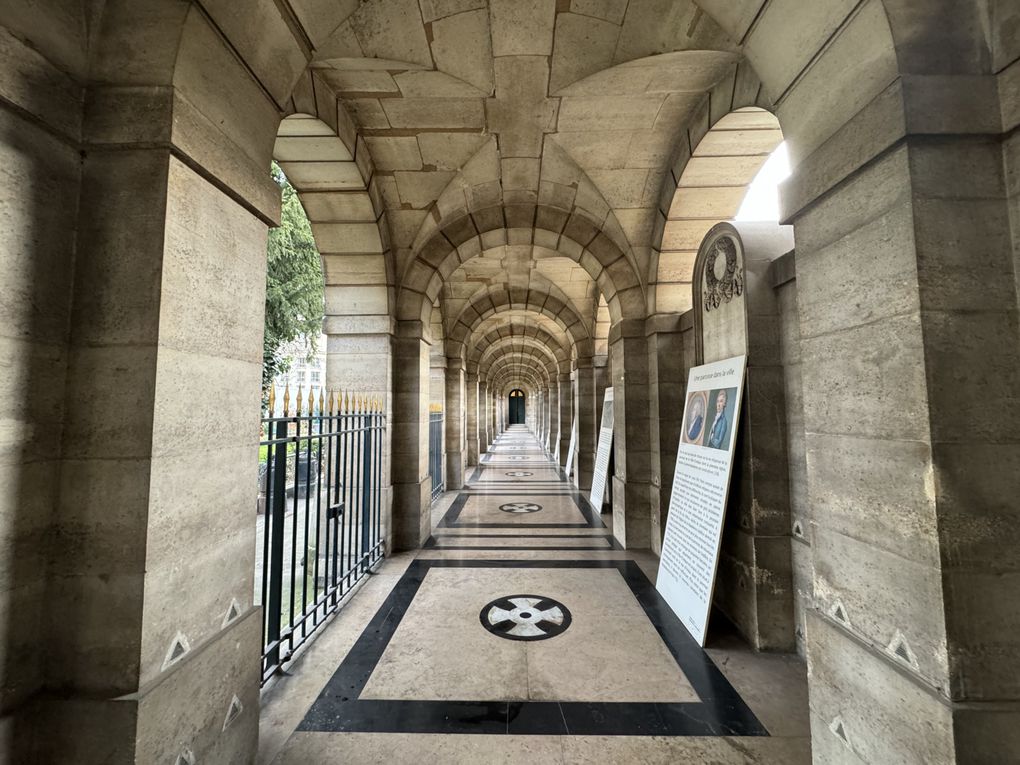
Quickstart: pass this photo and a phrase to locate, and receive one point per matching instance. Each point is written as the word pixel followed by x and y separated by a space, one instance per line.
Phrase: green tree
pixel 294 294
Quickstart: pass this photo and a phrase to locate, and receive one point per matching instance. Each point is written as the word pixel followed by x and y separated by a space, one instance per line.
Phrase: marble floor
pixel 523 633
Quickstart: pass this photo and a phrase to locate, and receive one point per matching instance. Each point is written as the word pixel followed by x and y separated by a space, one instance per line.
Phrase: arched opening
pixel 714 186
pixel 516 405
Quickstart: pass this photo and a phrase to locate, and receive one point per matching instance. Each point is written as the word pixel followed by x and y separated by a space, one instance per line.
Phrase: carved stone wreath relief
pixel 724 279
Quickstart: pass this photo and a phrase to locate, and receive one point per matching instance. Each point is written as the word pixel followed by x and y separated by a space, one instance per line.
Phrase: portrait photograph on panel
pixel 694 422
pixel 719 425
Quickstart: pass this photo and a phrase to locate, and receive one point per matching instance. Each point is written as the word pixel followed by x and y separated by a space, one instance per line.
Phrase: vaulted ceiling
pixel 527 148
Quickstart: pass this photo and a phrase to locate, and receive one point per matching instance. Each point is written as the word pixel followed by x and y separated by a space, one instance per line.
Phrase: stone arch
pixel 710 189
pixel 500 297
pixel 344 220
pixel 517 372
pixel 559 352
pixel 572 235
pixel 509 345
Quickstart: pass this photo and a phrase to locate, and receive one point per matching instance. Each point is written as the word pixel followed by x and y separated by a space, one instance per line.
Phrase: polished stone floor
pixel 523 633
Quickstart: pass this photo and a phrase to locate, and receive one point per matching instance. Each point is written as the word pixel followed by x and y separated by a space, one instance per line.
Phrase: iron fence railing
pixel 436 451
pixel 320 514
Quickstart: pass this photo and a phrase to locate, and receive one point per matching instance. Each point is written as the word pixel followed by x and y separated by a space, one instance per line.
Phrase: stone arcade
pixel 532 196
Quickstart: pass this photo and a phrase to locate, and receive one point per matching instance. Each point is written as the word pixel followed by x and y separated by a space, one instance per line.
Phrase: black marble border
pixel 720 711
pixel 433 542
pixel 450 518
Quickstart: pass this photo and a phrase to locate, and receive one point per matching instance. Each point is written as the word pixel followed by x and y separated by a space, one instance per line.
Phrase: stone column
pixel 910 380
pixel 537 408
pixel 455 424
pixel 542 414
pixel 359 358
pixel 587 423
pixel 553 409
pixel 471 411
pixel 601 375
pixel 566 413
pixel 412 489
pixel 632 435
pixel 152 577
pixel 483 418
pixel 667 384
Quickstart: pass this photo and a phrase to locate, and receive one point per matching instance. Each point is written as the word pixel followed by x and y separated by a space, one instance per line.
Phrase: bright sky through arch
pixel 762 200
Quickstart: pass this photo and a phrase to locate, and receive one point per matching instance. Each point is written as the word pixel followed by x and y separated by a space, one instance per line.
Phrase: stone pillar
pixel 153 571
pixel 543 417
pixel 412 487
pixel 667 384
pixel 359 358
pixel 455 424
pixel 588 410
pixel 483 418
pixel 471 412
pixel 491 417
pixel 553 410
pixel 537 404
pixel 570 465
pixel 631 434
pixel 39 205
pixel 566 413
pixel 601 375
pixel 912 425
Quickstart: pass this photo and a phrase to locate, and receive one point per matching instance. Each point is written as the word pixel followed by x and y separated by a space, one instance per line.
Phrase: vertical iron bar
pixel 274 600
pixel 293 531
pixel 377 483
pixel 352 528
pixel 336 502
pixel 304 539
pixel 366 496
pixel 338 529
pixel 318 515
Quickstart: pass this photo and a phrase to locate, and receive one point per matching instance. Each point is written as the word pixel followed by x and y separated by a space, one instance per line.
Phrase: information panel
pixel 701 482
pixel 598 482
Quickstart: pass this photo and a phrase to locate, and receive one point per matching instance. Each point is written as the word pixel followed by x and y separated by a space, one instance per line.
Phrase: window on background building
pixel 762 200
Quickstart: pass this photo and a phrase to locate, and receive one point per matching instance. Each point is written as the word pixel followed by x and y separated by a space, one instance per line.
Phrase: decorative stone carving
pixel 723 280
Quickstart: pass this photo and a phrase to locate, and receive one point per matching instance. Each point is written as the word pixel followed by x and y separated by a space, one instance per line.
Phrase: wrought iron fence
pixel 436 450
pixel 320 513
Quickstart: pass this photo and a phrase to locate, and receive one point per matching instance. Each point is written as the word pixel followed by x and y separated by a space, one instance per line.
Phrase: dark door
pixel 516 407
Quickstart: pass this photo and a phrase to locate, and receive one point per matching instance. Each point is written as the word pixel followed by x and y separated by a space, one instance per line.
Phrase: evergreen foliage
pixel 294 287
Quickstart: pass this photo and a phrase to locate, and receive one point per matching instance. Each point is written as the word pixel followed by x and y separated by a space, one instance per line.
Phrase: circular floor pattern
pixel 519 474
pixel 520 507
pixel 525 617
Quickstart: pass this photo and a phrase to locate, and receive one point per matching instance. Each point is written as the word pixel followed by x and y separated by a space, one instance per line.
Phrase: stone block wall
pixel 40 175
pixel 784 282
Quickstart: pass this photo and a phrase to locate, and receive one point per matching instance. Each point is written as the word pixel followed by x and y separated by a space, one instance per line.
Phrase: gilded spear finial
pixel 272 398
pixel 331 401
pixel 322 401
pixel 286 400
pixel 297 410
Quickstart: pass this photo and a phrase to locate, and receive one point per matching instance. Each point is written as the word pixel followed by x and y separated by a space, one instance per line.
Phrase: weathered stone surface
pixel 461 45
pixel 521 27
